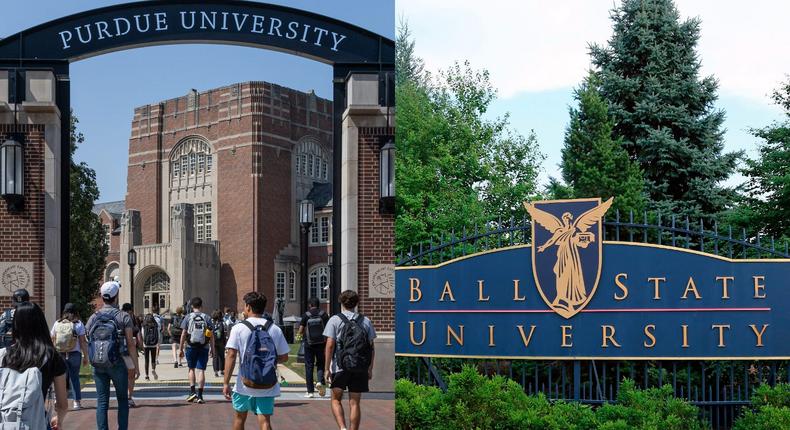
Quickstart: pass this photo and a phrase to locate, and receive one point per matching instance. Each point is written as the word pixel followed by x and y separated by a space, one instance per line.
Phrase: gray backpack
pixel 197 330
pixel 21 399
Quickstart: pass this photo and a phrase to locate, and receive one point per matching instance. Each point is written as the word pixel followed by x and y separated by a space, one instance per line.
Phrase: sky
pixel 106 89
pixel 537 54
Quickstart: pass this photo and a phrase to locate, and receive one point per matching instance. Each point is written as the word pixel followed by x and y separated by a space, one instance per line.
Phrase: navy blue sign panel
pixel 651 302
pixel 176 21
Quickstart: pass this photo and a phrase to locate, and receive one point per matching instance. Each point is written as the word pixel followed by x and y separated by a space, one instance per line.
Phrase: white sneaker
pixel 321 389
pixel 77 405
pixel 309 395
pixel 156 377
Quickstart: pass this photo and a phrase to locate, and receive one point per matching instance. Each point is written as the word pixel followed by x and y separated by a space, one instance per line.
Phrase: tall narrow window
pixel 192 163
pixel 279 285
pixel 207 225
pixel 319 280
pixel 209 163
pixel 292 286
pixel 325 229
pixel 201 162
pixel 176 169
pixel 184 165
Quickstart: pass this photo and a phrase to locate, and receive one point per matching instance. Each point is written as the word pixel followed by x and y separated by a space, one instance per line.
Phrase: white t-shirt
pixel 79 329
pixel 237 340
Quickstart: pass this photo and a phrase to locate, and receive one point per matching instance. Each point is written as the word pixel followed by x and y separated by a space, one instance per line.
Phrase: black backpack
pixel 175 327
pixel 354 352
pixel 219 332
pixel 314 328
pixel 151 329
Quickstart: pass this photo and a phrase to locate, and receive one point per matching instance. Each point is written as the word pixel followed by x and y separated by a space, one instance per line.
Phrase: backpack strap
pixel 267 325
pixel 343 318
pixel 248 325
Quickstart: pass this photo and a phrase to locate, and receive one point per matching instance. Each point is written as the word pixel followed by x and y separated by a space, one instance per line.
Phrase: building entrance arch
pixel 34 68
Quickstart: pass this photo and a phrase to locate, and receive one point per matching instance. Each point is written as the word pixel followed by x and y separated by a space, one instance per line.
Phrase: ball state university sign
pixel 571 295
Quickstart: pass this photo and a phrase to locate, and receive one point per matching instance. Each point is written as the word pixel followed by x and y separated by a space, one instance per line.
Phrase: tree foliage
pixel 593 163
pixel 87 249
pixel 765 208
pixel 663 110
pixel 455 167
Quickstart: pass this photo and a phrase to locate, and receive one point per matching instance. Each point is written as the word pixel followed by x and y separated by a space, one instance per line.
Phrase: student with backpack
pixel 109 329
pixel 133 361
pixel 160 323
pixel 349 356
pixel 28 368
pixel 7 317
pixel 152 336
pixel 174 328
pixel 312 330
pixel 196 337
pixel 220 337
pixel 68 335
pixel 262 346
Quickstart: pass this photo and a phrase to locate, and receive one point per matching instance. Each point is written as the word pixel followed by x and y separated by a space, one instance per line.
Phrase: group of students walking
pixel 36 361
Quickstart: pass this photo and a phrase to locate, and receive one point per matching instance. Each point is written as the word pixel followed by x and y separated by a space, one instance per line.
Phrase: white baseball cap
pixel 109 290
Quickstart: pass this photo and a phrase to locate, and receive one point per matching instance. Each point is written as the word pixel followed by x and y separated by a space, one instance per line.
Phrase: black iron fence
pixel 719 388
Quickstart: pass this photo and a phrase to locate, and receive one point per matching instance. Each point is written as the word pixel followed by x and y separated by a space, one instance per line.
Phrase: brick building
pixel 213 187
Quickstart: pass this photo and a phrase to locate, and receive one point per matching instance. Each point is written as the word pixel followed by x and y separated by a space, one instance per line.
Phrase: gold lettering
pixel 524 338
pixel 458 338
pixel 685 336
pixel 491 336
pixel 480 297
pixel 650 335
pixel 447 292
pixel 608 336
pixel 516 296
pixel 759 334
pixel 691 287
pixel 411 333
pixel 566 336
pixel 721 328
pixel 414 287
pixel 724 284
pixel 656 292
pixel 621 285
pixel 758 286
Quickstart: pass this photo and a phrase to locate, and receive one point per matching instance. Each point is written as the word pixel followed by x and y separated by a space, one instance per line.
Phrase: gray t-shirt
pixel 334 327
pixel 123 320
pixel 185 326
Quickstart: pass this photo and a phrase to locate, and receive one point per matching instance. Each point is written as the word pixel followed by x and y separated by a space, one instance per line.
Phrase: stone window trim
pixel 321 230
pixel 311 159
pixel 318 279
pixel 191 157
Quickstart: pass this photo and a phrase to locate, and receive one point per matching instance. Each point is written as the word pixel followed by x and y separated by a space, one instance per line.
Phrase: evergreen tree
pixel 766 208
pixel 408 66
pixel 663 110
pixel 594 164
pixel 87 248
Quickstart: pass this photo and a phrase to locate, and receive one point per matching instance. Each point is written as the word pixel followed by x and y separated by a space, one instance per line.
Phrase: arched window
pixel 311 160
pixel 159 281
pixel 190 160
pixel 156 291
pixel 319 282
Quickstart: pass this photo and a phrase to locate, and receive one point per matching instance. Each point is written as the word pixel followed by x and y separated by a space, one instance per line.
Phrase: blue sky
pixel 106 89
pixel 536 54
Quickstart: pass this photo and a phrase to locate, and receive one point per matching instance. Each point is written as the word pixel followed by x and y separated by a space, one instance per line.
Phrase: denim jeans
pixel 314 356
pixel 118 375
pixel 73 361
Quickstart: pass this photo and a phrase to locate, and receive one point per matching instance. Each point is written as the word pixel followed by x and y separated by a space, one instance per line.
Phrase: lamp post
pixel 132 260
pixel 333 293
pixel 12 182
pixel 387 175
pixel 306 215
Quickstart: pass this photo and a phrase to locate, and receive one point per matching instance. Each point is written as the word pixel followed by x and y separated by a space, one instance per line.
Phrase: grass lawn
pixel 298 368
pixel 86 374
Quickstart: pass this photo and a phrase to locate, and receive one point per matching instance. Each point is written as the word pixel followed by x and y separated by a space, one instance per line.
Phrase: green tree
pixel 408 66
pixel 593 163
pixel 663 110
pixel 455 167
pixel 87 248
pixel 766 206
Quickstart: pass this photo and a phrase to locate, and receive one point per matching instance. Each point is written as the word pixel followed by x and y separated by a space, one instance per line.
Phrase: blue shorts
pixel 256 405
pixel 197 358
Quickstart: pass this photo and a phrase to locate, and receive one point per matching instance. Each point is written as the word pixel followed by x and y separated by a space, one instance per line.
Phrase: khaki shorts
pixel 128 361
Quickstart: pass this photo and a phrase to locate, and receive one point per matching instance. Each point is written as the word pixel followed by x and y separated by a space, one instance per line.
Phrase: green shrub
pixel 418 406
pixel 653 409
pixel 771 409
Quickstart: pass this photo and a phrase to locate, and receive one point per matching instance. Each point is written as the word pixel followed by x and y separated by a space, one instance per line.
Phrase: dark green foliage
pixel 455 167
pixel 408 67
pixel 474 401
pixel 663 110
pixel 594 164
pixel 771 409
pixel 765 207
pixel 87 249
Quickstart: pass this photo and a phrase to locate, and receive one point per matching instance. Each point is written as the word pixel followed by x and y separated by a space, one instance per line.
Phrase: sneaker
pixel 156 377
pixel 131 402
pixel 147 378
pixel 157 362
pixel 216 375
pixel 175 365
pixel 309 395
pixel 321 389
pixel 192 397
pixel 222 373
pixel 200 400
pixel 77 405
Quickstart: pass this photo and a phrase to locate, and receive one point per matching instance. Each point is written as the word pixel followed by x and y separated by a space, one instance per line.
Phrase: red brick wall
pixel 376 230
pixel 22 234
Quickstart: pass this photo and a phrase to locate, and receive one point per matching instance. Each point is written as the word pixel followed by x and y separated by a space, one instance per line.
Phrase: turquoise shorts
pixel 256 405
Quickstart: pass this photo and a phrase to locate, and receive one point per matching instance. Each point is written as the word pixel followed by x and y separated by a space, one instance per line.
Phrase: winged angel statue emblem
pixel 568 235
